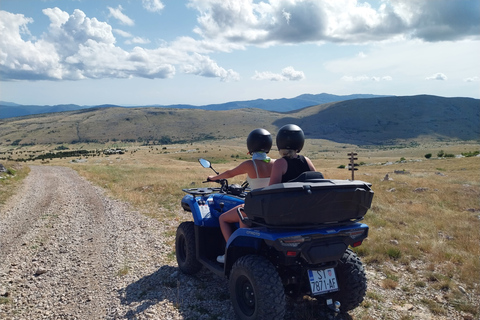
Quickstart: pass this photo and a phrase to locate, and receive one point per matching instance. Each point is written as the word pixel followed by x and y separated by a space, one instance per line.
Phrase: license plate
pixel 322 281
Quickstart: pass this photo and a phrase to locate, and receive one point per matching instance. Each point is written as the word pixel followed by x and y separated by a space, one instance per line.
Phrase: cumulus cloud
pixel 291 74
pixel 437 76
pixel 297 21
pixel 77 47
pixel 204 66
pixel 223 26
pixel 288 73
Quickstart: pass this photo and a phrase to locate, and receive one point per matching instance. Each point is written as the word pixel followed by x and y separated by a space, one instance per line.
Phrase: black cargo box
pixel 319 201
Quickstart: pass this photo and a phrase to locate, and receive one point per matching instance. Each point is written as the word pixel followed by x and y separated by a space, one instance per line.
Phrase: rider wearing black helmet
pixel 290 140
pixel 258 171
pixel 259 142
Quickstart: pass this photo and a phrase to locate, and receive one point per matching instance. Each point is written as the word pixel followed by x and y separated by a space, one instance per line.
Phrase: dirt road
pixel 69 252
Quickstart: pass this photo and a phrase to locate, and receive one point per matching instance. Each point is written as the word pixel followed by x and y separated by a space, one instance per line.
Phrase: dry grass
pixel 10 180
pixel 428 215
pixel 425 220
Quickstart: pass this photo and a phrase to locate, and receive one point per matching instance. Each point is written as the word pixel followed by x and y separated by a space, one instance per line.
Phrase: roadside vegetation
pixel 424 221
pixel 10 180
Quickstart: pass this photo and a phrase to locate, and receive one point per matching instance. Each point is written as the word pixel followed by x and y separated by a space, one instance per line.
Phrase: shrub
pixel 428 155
pixel 471 153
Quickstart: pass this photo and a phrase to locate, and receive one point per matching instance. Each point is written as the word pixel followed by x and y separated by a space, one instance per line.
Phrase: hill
pixel 11 110
pixel 385 120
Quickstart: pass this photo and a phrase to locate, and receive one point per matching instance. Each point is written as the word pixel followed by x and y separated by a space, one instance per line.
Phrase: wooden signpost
pixel 352 165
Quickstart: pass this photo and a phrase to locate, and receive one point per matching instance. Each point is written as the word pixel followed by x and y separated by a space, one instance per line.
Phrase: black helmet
pixel 259 140
pixel 290 136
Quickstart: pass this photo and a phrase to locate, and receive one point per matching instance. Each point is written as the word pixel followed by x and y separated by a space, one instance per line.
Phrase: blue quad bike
pixel 297 244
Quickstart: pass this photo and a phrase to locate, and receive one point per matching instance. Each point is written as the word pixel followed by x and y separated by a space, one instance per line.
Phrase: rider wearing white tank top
pixel 256 183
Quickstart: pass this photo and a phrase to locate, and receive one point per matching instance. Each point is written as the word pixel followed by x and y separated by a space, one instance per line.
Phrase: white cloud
pixel 153 5
pixel 437 76
pixel 288 73
pixel 267 75
pixel 122 33
pixel 204 66
pixel 77 47
pixel 291 74
pixel 471 79
pixel 137 40
pixel 120 16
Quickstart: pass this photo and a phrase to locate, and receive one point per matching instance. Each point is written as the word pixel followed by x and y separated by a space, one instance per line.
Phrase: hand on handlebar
pixel 221 181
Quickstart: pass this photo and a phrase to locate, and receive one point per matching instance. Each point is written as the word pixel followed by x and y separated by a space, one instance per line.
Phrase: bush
pixel 428 155
pixel 471 154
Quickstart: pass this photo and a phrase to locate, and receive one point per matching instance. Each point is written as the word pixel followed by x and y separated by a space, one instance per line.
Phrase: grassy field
pixel 424 221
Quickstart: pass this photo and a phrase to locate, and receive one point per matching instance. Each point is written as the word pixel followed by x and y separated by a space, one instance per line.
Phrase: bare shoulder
pixel 310 164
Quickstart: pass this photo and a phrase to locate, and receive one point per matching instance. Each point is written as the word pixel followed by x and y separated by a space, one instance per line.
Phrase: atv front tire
pixel 352 282
pixel 256 289
pixel 185 248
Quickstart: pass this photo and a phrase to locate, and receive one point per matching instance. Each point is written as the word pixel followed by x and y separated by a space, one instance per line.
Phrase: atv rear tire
pixel 256 289
pixel 352 282
pixel 185 248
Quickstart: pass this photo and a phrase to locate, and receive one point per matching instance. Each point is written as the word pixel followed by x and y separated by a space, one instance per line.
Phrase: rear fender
pixel 320 245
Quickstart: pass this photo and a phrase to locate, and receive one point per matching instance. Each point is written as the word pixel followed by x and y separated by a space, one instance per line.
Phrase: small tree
pixel 428 155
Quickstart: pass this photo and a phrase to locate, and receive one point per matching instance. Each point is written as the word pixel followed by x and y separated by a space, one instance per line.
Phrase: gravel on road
pixel 67 251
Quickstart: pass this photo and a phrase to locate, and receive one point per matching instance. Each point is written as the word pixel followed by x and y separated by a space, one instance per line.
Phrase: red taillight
pixel 291 253
pixel 356 244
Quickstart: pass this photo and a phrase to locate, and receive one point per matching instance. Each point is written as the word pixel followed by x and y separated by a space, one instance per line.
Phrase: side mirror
pixel 205 163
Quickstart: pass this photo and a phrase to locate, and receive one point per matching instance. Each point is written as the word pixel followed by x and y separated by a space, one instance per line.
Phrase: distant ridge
pixel 11 110
pixel 369 121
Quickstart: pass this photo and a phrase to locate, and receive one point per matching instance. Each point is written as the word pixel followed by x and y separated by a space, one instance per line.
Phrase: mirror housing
pixel 205 163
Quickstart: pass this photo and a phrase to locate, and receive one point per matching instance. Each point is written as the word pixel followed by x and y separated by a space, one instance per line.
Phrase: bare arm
pixel 240 169
pixel 278 169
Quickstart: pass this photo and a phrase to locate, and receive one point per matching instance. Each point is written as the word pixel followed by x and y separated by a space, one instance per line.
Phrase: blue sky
pixel 144 52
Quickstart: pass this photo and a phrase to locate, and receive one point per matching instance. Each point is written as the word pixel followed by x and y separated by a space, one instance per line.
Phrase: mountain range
pixel 11 110
pixel 365 121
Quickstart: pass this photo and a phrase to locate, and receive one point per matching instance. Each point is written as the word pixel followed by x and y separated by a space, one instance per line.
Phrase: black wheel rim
pixel 245 295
